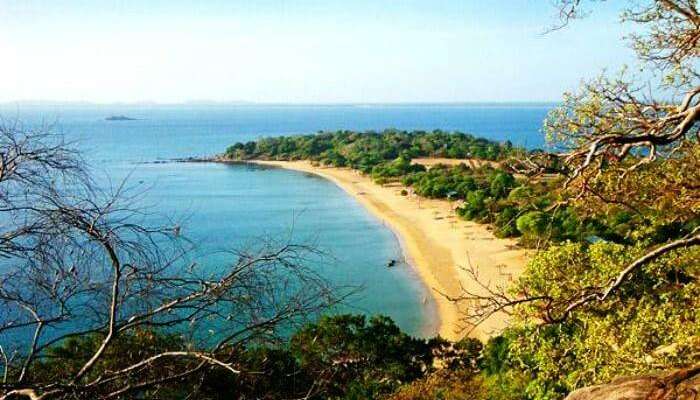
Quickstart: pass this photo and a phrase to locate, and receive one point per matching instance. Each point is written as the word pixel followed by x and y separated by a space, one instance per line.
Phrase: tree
pixel 533 224
pixel 82 268
pixel 631 146
pixel 349 353
pixel 501 184
pixel 614 133
pixel 651 323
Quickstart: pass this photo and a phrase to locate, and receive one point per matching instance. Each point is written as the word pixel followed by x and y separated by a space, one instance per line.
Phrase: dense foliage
pixel 651 323
pixel 490 193
pixel 613 290
pixel 338 357
pixel 586 242
pixel 486 194
pixel 365 150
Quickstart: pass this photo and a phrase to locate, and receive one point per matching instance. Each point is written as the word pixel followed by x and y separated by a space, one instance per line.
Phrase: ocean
pixel 233 206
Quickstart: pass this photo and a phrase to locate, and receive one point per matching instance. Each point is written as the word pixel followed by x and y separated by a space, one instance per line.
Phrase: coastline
pixel 436 244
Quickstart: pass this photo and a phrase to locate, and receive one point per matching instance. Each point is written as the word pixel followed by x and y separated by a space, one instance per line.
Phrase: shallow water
pixel 228 206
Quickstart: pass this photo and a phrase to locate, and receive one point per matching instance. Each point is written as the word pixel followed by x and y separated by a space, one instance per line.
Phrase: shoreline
pixel 436 244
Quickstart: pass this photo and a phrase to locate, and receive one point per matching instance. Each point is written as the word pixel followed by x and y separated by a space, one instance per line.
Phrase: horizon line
pixel 254 103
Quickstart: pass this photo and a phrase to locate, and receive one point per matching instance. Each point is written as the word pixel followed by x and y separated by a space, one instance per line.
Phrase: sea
pixel 224 207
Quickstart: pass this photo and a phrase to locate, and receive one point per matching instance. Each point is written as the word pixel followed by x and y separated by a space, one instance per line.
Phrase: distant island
pixel 119 118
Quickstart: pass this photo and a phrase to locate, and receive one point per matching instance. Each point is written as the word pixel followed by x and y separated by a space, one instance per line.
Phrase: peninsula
pixel 433 189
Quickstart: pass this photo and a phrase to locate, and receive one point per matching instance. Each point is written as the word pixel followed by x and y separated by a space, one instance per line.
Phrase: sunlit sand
pixel 438 244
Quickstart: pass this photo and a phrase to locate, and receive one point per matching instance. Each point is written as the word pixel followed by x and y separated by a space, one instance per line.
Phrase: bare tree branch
pixel 79 263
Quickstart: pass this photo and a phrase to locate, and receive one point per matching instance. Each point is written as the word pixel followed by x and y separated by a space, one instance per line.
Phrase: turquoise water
pixel 228 206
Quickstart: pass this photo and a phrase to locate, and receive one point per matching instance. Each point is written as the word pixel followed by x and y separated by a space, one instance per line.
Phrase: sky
pixel 325 51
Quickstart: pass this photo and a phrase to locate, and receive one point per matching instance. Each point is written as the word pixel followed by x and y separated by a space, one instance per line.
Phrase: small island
pixel 119 118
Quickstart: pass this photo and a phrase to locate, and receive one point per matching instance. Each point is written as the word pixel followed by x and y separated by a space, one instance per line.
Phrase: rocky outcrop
pixel 682 384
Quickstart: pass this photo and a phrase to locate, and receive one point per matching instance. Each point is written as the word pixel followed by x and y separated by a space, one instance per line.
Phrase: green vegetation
pixel 338 357
pixel 366 150
pixel 652 322
pixel 585 241
pixel 516 207
pixel 614 288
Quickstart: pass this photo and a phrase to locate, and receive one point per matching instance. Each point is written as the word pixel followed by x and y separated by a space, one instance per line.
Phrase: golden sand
pixel 438 243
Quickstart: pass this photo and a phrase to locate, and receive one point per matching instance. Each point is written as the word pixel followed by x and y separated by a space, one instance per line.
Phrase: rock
pixel 119 118
pixel 683 384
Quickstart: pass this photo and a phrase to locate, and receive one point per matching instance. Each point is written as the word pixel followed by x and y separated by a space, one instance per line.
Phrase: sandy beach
pixel 437 243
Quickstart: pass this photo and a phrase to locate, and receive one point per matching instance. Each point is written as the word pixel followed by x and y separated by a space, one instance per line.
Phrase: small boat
pixel 391 263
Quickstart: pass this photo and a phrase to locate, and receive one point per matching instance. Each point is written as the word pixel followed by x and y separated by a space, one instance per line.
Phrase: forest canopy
pixel 364 150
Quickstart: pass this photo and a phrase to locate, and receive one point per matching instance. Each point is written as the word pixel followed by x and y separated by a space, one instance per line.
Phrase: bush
pixel 652 323
pixel 532 224
pixel 365 150
pixel 350 354
pixel 443 385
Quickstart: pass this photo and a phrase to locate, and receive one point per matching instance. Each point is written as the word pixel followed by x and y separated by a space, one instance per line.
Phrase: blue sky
pixel 331 51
